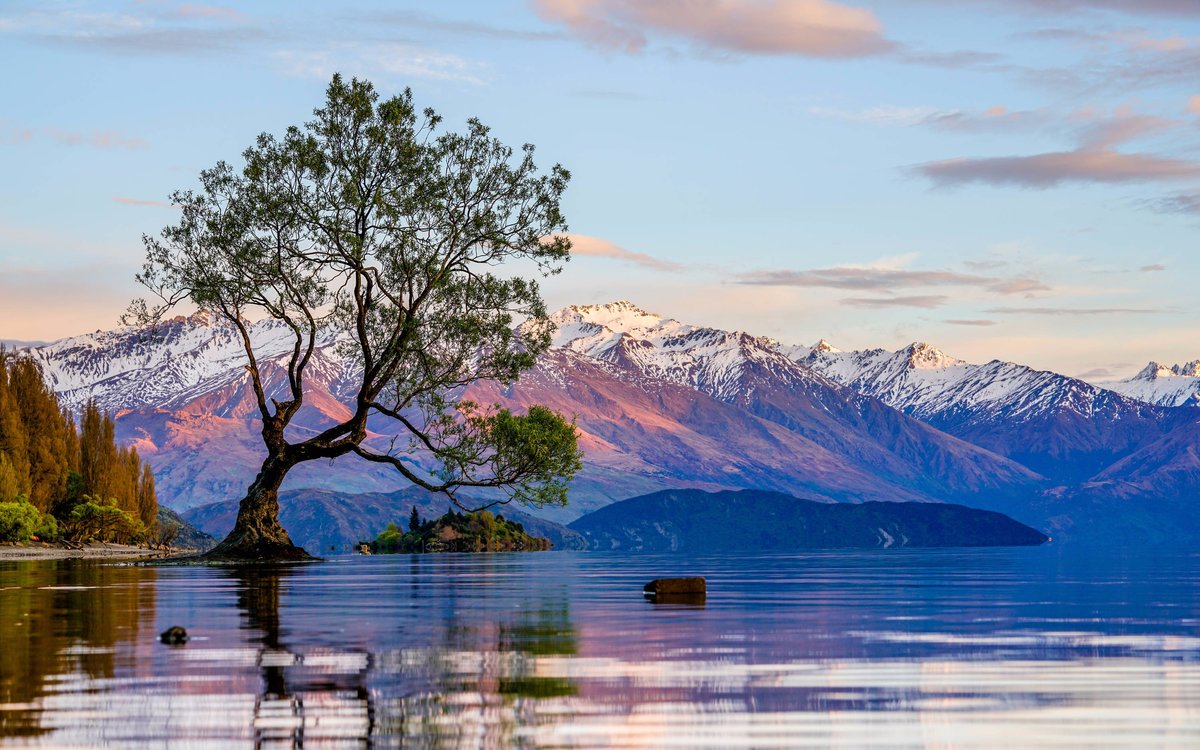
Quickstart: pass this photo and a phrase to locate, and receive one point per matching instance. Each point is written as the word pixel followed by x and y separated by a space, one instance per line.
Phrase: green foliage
pixel 102 521
pixel 48 530
pixel 414 520
pixel 21 521
pixel 458 532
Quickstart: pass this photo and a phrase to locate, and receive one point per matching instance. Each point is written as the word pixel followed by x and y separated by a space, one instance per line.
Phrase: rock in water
pixel 174 636
pixel 661 586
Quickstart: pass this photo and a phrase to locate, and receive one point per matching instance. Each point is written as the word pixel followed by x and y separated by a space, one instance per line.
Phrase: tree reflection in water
pixel 455 682
pixel 279 656
pixel 62 623
pixel 303 696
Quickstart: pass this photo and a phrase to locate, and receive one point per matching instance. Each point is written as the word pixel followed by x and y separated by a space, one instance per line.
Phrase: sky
pixel 1005 179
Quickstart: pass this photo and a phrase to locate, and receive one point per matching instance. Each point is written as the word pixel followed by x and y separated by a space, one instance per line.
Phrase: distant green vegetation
pixel 60 480
pixel 457 532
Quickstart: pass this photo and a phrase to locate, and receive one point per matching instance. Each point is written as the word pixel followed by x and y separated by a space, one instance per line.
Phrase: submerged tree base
pixel 257 551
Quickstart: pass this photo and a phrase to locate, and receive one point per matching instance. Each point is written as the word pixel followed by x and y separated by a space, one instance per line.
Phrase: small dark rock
pixel 174 636
pixel 662 586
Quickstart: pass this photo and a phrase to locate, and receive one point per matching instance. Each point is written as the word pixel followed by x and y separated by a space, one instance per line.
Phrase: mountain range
pixel 663 405
pixel 1177 385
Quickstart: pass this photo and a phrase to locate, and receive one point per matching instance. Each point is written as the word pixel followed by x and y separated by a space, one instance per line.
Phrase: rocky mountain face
pixel 666 405
pixel 1177 385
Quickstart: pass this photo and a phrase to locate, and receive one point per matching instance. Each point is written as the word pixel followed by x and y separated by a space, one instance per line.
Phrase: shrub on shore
pixel 20 522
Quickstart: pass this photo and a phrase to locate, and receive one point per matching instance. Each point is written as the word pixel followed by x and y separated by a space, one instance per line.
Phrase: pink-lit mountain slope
pixel 662 404
pixel 739 415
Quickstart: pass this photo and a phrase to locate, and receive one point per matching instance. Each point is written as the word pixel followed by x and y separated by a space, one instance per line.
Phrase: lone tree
pixel 366 222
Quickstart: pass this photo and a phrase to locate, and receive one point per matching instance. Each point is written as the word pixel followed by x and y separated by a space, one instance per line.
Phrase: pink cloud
pixel 1051 169
pixel 811 28
pixel 1194 105
pixel 928 301
pixel 582 244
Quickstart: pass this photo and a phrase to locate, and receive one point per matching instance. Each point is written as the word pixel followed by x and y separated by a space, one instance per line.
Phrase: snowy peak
pixel 1177 385
pixel 923 381
pixel 709 359
pixel 800 353
pixel 923 356
pixel 593 329
pixel 621 315
pixel 1154 370
pixel 161 363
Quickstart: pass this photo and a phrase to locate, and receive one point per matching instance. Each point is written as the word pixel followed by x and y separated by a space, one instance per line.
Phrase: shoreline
pixel 18 552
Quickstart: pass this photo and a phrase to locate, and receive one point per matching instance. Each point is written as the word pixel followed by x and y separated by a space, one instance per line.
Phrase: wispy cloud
pixel 956 60
pixel 1152 268
pixel 1095 158
pixel 1096 373
pixel 101 139
pixel 379 59
pixel 1117 61
pixel 809 28
pixel 582 244
pixel 196 10
pixel 1177 8
pixel 884 114
pixel 139 202
pixel 1182 8
pixel 170 42
pixel 1052 169
pixel 184 30
pixel 426 22
pixel 971 322
pixel 928 301
pixel 881 279
pixel 1071 311
pixel 1181 203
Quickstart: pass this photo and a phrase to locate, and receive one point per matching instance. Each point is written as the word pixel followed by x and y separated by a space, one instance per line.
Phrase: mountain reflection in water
pixel 1018 647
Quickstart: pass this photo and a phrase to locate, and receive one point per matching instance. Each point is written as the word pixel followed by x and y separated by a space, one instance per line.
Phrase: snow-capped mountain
pixel 752 373
pixel 1177 385
pixel 707 359
pixel 1059 426
pixel 664 404
pixel 173 363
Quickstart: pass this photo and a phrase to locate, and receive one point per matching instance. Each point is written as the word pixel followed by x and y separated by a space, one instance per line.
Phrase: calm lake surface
pixel 954 648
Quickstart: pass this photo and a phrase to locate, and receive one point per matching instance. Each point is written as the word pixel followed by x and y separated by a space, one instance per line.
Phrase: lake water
pixel 1025 647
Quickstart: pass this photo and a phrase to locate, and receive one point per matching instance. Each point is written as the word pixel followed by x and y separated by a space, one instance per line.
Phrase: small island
pixel 480 531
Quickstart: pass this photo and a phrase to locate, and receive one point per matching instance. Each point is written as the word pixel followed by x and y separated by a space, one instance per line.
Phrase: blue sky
pixel 1013 179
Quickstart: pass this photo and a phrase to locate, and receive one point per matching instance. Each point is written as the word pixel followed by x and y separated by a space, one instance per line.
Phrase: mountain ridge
pixel 662 404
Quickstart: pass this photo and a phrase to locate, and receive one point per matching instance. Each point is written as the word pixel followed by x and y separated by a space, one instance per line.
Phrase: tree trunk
pixel 257 536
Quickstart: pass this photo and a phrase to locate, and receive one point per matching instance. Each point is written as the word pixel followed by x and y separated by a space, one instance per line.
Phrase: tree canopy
pixel 367 223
